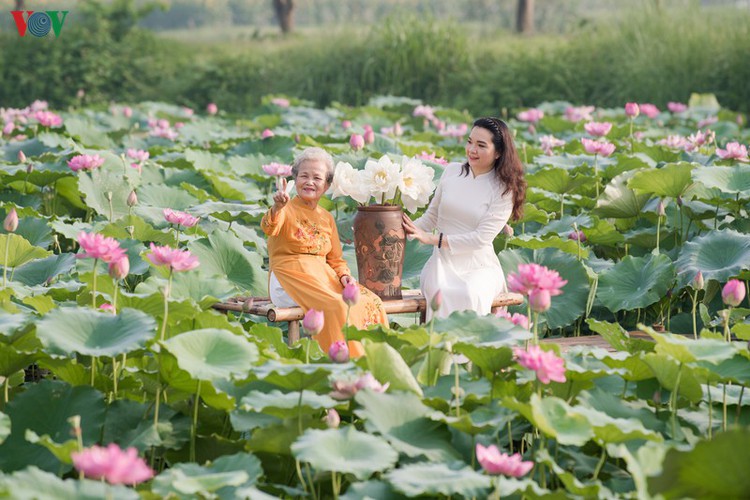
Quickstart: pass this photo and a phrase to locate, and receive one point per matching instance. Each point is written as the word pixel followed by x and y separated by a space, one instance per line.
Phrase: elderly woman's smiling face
pixel 311 182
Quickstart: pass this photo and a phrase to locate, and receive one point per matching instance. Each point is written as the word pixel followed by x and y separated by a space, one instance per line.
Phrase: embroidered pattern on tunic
pixel 372 308
pixel 309 233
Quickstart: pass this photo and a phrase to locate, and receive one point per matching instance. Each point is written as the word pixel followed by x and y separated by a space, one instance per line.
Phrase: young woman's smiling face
pixel 480 150
pixel 311 181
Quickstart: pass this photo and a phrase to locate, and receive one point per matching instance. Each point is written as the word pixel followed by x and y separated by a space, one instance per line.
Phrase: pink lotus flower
pixel 137 154
pixel 598 129
pixel 632 110
pixel 346 388
pixel 212 108
pixel 48 119
pixel 701 138
pixel 119 269
pixel 339 352
pixel 107 307
pixel 698 282
pixel 676 107
pixel 346 124
pixel 313 321
pixel 179 125
pixel 369 136
pixel 187 112
pixel 576 114
pixel 277 169
pixel 707 121
pixel 85 162
pixel 267 133
pixel 97 246
pixel 495 463
pixel 426 111
pixel 733 293
pixel 532 115
pixel 424 155
pixel 10 224
pixel 546 364
pixel 733 151
pixel 357 142
pixel 516 318
pixel 132 199
pixel 601 148
pixel 533 276
pixel 176 259
pixel 674 142
pixel 540 300
pixel 351 293
pixel 548 142
pixel 179 218
pixel 127 111
pixel 457 131
pixel 577 236
pixel 649 110
pixel 332 419
pixel 8 128
pixel 437 301
pixel 280 102
pixel 114 465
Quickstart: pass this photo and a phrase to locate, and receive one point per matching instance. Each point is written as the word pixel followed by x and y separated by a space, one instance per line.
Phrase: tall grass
pixel 649 55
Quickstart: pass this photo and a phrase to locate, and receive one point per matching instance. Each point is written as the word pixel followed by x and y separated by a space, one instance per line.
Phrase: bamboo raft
pixel 412 302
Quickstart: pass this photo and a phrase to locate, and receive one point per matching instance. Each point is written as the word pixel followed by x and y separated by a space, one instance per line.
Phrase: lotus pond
pixel 644 215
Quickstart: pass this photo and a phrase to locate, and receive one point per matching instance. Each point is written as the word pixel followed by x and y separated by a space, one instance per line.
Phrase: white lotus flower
pixel 416 184
pixel 382 177
pixel 348 181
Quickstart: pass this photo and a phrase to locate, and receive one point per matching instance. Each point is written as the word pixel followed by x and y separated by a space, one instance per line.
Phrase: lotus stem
pixel 510 437
pixel 114 377
pixel 93 287
pixel 600 464
pixel 300 476
pixel 335 485
pixel 457 388
pixel 710 412
pixel 6 389
pixel 5 262
pixel 93 370
pixel 194 429
pixel 658 232
pixel 695 321
pixel 596 173
pixel 724 409
pixel 167 291
pixel 114 297
pixel 739 406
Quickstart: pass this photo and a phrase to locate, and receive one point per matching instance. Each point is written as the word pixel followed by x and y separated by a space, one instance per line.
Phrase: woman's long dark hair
pixel 508 167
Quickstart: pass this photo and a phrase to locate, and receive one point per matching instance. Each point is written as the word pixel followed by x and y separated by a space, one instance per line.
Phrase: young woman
pixel 307 267
pixel 471 205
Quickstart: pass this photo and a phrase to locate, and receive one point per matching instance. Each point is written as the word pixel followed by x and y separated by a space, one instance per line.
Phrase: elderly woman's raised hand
pixel 280 197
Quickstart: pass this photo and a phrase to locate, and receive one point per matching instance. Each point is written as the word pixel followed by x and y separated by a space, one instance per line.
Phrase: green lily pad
pixel 447 479
pixel 211 353
pixel 38 484
pixel 20 251
pixel 405 422
pixel 620 201
pixel 344 450
pixel 635 282
pixel 669 181
pixel 732 180
pixel 719 255
pixel 43 271
pixel 280 404
pixel 387 365
pixel 94 333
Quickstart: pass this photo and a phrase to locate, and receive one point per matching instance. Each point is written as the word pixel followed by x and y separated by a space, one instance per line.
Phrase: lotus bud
pixel 698 283
pixel 679 201
pixel 339 352
pixel 577 236
pixel 8 128
pixel 660 210
pixel 632 109
pixel 437 301
pixel 313 322
pixel 11 221
pixel 357 142
pixel 21 157
pixel 212 108
pixel 332 419
pixel 733 293
pixel 351 293
pixel 127 111
pixel 267 133
pixel 132 199
pixel 369 136
pixel 29 168
pixel 540 300
pixel 346 124
pixel 119 269
pixel 508 231
pixel 397 130
pixel 109 195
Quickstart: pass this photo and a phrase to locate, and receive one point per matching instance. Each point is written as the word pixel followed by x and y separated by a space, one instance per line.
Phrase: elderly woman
pixel 307 266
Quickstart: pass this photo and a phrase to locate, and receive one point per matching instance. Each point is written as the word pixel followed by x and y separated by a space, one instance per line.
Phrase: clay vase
pixel 379 243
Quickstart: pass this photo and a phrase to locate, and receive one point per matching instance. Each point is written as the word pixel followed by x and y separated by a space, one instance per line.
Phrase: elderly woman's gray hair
pixel 314 154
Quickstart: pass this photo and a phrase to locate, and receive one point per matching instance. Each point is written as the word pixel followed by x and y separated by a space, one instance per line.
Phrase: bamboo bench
pixel 412 302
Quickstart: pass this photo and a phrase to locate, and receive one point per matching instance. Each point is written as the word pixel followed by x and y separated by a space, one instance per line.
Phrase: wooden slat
pixel 412 302
pixel 566 343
